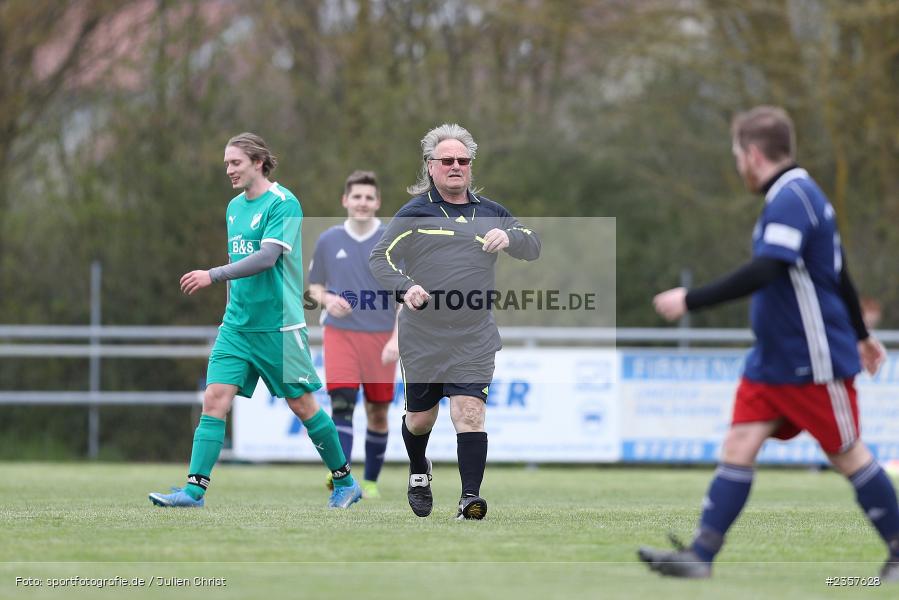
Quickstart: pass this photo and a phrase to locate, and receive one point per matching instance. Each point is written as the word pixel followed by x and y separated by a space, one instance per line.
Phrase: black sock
pixel 416 445
pixel 472 452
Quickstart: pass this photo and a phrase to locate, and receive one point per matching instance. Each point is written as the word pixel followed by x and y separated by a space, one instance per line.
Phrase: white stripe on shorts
pixel 298 338
pixel 842 412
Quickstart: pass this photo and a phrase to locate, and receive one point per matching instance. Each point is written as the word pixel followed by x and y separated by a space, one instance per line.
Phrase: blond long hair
pixel 256 148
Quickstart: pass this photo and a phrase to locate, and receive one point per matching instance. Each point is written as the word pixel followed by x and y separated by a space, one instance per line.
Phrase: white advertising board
pixel 676 407
pixel 544 405
pixel 587 405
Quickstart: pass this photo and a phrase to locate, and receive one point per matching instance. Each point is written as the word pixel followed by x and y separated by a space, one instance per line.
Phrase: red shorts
pixel 828 411
pixel 353 358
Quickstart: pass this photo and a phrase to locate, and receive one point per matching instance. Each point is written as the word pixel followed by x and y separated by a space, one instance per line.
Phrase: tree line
pixel 114 117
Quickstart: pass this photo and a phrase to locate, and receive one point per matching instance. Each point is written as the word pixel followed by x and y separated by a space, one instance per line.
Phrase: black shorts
pixel 425 396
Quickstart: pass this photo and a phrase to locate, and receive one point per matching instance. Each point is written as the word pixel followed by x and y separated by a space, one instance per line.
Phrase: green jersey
pixel 273 299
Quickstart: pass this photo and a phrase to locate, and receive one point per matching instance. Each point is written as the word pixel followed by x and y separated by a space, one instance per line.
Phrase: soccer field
pixel 553 532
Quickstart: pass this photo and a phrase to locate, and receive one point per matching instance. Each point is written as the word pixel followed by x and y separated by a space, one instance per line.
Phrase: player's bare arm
pixel 872 354
pixel 391 351
pixel 194 281
pixel 671 304
pixel 334 304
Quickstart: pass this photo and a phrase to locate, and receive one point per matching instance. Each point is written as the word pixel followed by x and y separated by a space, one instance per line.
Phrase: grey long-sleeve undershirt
pixel 257 262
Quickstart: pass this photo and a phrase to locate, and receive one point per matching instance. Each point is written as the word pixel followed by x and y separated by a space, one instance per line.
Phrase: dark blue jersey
pixel 340 264
pixel 801 323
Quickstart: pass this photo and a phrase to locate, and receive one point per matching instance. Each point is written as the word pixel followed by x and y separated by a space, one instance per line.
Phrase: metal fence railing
pixel 167 342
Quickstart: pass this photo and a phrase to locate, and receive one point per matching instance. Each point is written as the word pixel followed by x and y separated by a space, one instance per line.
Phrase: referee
pixel 439 255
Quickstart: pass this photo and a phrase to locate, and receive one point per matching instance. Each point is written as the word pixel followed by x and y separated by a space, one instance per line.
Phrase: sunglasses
pixel 448 161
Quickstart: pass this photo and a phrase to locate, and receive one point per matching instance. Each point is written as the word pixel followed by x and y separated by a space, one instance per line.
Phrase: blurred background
pixel 114 116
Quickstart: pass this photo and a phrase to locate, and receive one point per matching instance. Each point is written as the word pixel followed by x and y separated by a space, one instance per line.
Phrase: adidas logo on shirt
pixel 341 253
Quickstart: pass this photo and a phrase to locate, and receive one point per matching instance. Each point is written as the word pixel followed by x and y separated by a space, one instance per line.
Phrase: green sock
pixel 323 434
pixel 208 439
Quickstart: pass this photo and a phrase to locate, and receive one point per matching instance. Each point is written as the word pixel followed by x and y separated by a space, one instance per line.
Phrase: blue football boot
pixel 344 497
pixel 178 498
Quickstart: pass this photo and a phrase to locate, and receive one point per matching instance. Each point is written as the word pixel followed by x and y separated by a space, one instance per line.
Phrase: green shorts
pixel 280 358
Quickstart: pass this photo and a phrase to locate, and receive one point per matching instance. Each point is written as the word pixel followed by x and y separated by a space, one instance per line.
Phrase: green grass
pixel 550 533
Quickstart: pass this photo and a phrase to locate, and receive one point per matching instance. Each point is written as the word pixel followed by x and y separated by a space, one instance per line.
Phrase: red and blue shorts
pixel 353 358
pixel 828 411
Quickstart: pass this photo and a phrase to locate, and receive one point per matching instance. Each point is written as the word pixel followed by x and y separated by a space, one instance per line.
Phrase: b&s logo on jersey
pixel 242 246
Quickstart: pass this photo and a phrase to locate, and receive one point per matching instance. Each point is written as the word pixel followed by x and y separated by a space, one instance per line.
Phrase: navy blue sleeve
pixel 850 298
pixel 741 282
